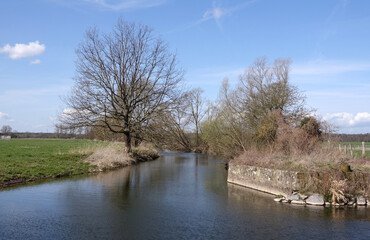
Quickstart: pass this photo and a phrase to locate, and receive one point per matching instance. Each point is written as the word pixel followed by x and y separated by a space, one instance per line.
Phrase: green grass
pixel 32 159
pixel 357 148
pixel 356 144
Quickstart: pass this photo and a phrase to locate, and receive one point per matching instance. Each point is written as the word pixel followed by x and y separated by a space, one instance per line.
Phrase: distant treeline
pixel 341 137
pixel 353 137
pixel 44 135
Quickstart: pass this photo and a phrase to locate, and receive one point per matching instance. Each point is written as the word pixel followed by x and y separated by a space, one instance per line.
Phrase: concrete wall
pixel 278 182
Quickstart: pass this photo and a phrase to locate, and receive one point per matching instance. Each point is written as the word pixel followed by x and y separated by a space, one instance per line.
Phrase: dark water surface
pixel 179 196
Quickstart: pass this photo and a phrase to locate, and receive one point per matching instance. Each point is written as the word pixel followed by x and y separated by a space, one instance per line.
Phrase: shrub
pixel 311 126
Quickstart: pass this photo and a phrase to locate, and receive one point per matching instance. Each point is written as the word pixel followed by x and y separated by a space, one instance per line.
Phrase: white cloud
pixel 329 67
pixel 215 13
pixel 70 113
pixel 4 116
pixel 21 50
pixel 345 119
pixel 36 61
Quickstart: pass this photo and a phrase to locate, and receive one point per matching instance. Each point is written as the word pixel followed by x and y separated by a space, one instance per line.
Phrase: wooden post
pixel 350 148
pixel 345 149
pixel 340 148
pixel 363 149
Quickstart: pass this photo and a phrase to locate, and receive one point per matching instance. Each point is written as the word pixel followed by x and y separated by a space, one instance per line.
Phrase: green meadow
pixel 24 160
pixel 357 148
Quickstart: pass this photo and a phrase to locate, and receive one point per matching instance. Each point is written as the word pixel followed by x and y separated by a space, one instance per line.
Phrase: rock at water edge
pixel 293 197
pixel 298 202
pixel 361 201
pixel 303 197
pixel 315 199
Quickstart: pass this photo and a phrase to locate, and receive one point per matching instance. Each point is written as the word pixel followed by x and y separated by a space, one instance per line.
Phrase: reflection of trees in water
pixel 347 213
pixel 138 184
pixel 117 184
pixel 214 174
pixel 168 177
pixel 244 196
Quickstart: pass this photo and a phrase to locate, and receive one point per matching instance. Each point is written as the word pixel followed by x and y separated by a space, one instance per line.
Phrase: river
pixel 179 196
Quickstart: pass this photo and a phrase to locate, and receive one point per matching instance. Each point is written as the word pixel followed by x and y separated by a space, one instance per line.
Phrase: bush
pixel 312 126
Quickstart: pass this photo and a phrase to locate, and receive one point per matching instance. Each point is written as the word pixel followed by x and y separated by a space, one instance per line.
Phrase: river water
pixel 179 196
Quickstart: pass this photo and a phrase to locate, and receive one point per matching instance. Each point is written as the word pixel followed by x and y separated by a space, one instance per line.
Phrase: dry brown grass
pixel 113 155
pixel 145 152
pixel 323 164
pixel 300 147
pixel 109 157
pixel 317 159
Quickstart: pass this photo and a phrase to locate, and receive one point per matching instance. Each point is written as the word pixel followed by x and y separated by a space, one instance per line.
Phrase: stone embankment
pixel 278 182
pixel 318 200
pixel 285 184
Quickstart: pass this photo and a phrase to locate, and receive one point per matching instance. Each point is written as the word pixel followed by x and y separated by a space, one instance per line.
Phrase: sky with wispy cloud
pixel 327 41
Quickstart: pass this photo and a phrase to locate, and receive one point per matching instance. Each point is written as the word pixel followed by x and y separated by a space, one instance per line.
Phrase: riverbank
pixel 114 156
pixel 29 160
pixel 337 178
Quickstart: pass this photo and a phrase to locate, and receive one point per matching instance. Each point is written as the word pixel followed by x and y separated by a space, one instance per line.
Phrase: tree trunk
pixel 128 142
pixel 196 135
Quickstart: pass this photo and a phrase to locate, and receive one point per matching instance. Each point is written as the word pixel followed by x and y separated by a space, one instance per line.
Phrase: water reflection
pixel 180 196
pixel 242 196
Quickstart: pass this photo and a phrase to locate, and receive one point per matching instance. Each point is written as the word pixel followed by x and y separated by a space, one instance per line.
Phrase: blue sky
pixel 327 41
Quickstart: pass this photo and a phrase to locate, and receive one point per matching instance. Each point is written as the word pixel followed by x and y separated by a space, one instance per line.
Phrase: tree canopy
pixel 124 79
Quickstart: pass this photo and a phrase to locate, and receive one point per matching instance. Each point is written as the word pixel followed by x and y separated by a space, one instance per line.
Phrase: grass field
pixel 23 160
pixel 357 148
pixel 356 144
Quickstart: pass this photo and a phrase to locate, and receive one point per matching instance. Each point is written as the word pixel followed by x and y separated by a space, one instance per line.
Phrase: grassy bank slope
pixel 25 160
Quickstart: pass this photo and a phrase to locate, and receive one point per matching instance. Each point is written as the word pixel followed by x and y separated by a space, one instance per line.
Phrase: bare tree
pixel 124 79
pixel 197 107
pixel 244 116
pixel 6 129
pixel 171 131
pixel 264 88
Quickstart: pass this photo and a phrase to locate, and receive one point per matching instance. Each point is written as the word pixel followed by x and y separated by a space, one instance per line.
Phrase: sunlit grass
pixel 31 159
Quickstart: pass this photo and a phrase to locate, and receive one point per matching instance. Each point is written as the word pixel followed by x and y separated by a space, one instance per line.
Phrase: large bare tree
pixel 123 79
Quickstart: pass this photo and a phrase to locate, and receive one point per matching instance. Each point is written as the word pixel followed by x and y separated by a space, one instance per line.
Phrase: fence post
pixel 350 148
pixel 363 149
pixel 345 149
pixel 340 148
